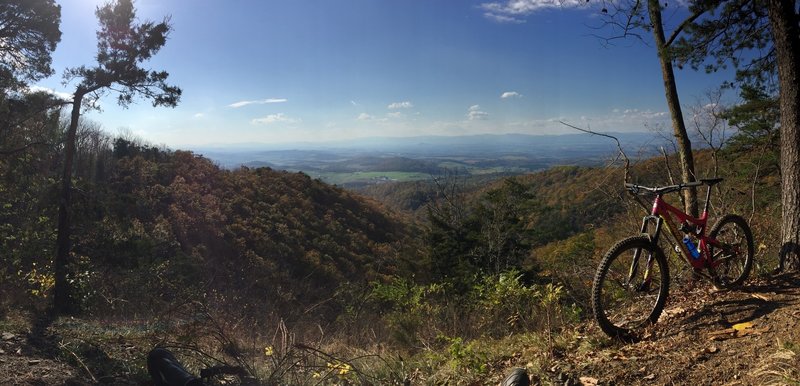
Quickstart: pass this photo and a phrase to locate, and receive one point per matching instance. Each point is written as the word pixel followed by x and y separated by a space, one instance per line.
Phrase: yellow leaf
pixel 742 326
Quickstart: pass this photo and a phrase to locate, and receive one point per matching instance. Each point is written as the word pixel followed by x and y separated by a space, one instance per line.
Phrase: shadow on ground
pixel 742 305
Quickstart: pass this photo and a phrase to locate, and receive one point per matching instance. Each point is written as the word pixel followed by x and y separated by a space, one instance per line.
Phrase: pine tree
pixel 123 44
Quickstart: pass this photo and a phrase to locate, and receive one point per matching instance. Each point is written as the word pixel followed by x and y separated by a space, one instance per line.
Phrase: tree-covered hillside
pixel 157 227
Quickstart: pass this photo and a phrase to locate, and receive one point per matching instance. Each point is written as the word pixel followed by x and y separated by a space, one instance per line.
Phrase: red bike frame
pixel 662 212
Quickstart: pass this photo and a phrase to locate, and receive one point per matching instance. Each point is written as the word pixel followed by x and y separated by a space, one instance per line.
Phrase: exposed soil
pixel 746 336
pixel 21 363
pixel 36 354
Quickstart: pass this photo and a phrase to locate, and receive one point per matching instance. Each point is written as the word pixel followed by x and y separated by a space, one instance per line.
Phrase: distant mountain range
pixel 554 148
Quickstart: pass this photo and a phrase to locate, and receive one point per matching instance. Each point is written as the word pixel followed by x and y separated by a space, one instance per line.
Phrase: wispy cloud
pixel 510 94
pixel 474 113
pixel 503 19
pixel 514 11
pixel 57 94
pixel 198 115
pixel 236 105
pixel 274 118
pixel 400 105
pixel 364 117
pixel 641 114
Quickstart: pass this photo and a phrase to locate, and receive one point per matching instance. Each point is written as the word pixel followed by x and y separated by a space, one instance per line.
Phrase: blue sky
pixel 274 71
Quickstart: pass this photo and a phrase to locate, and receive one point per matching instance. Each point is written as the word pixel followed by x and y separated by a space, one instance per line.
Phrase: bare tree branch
pixel 619 147
pixel 666 163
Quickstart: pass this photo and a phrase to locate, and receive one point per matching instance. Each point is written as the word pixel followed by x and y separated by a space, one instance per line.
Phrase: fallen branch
pixel 64 347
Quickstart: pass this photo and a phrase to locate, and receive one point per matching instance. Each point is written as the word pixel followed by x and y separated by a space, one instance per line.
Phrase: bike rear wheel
pixel 735 255
pixel 630 287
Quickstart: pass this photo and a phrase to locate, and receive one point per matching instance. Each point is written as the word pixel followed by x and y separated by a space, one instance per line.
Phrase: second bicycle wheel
pixel 734 255
pixel 630 287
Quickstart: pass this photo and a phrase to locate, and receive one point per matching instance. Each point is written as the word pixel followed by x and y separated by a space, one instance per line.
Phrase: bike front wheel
pixel 630 287
pixel 732 258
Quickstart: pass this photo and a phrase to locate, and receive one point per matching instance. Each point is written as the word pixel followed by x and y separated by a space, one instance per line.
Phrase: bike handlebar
pixel 634 188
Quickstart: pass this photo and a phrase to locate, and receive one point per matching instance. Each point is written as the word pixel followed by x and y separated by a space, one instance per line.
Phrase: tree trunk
pixel 61 293
pixel 786 36
pixel 671 91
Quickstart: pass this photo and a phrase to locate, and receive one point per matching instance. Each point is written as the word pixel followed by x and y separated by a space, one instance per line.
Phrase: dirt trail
pixel 706 337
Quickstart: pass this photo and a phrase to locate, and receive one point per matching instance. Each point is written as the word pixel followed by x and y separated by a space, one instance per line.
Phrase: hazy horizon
pixel 377 138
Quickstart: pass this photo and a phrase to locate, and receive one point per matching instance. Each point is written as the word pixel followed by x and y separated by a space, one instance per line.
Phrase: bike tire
pixel 623 310
pixel 733 231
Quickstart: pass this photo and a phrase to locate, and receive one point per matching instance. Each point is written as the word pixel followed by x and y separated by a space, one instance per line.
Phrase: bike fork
pixel 646 279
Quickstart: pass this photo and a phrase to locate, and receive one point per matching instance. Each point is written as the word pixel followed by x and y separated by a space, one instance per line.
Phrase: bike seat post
pixel 708 199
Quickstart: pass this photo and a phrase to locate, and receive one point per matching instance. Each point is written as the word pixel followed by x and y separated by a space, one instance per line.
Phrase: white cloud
pixel 513 11
pixel 400 105
pixel 395 114
pixel 615 120
pixel 640 114
pixel 199 115
pixel 364 117
pixel 274 118
pixel 474 113
pixel 503 19
pixel 236 105
pixel 511 94
pixel 57 94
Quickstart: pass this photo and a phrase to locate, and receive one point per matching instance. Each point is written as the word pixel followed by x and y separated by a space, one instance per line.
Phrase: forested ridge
pixel 159 226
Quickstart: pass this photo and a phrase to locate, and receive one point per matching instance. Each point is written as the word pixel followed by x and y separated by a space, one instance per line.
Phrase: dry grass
pixel 779 369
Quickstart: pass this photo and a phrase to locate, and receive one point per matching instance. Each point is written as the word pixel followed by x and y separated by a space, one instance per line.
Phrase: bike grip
pixel 632 188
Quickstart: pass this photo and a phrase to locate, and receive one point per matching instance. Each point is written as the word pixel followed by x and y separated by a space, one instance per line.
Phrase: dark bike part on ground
pixel 167 371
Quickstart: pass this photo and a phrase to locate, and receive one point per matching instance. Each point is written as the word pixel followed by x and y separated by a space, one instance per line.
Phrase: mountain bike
pixel 632 281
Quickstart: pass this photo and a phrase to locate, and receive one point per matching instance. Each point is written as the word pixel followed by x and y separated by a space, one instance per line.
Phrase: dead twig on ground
pixel 64 347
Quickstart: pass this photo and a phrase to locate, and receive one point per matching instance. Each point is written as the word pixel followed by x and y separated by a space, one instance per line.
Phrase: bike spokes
pixel 629 290
pixel 731 251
